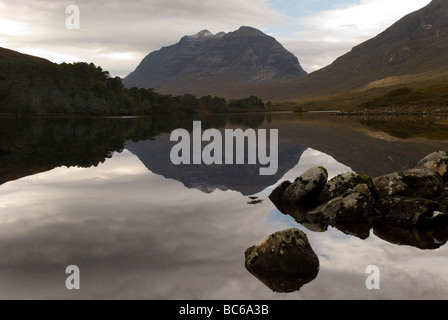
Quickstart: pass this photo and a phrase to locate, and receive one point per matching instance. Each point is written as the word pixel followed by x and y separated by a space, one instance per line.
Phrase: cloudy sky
pixel 118 34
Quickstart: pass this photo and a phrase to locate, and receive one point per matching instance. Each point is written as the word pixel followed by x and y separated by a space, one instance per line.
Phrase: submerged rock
pixel 284 261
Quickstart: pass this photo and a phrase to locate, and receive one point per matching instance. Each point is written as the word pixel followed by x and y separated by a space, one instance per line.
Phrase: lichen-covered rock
pixel 306 187
pixel 354 206
pixel 413 183
pixel 284 261
pixel 438 162
pixel 355 203
pixel 342 183
pixel 416 212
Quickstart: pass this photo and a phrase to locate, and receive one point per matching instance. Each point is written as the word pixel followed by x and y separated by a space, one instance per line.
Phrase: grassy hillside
pixel 409 100
pixel 411 53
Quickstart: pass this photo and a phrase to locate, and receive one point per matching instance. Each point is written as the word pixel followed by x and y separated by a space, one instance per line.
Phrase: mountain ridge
pixel 205 63
pixel 412 51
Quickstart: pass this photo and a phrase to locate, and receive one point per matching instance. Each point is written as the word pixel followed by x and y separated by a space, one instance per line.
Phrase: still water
pixel 103 195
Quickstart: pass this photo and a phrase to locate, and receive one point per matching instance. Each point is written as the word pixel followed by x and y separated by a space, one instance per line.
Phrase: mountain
pixel 412 52
pixel 204 64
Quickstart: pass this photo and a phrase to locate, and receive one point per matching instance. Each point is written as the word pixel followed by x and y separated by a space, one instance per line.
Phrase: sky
pixel 118 34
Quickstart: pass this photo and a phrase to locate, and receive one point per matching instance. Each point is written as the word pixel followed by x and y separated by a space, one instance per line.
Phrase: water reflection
pixel 29 146
pixel 422 239
pixel 73 194
pixel 155 155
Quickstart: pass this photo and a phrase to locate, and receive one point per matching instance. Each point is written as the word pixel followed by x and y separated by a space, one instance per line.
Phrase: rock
pixel 306 187
pixel 355 203
pixel 438 162
pixel 352 207
pixel 351 212
pixel 277 195
pixel 413 183
pixel 416 212
pixel 443 199
pixel 284 261
pixel 342 183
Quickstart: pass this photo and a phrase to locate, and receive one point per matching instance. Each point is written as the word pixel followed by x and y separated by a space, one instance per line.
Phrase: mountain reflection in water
pixel 78 191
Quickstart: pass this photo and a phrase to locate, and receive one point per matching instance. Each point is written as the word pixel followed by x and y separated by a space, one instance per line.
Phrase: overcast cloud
pixel 117 34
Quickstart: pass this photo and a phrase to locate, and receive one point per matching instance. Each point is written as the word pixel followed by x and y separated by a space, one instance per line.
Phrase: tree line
pixel 32 88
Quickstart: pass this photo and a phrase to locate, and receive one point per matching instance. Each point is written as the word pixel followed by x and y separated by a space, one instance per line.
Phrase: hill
pixel 7 55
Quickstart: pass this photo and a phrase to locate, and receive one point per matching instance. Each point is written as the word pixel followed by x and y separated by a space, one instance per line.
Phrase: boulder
pixel 354 206
pixel 350 213
pixel 284 261
pixel 306 187
pixel 355 203
pixel 413 183
pixel 415 212
pixel 437 162
pixel 277 195
pixel 342 183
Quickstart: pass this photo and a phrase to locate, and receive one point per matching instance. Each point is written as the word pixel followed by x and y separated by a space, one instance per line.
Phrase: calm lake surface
pixel 103 195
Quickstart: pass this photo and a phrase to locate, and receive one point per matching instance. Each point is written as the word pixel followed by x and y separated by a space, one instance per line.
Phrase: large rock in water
pixel 306 187
pixel 438 162
pixel 415 212
pixel 355 203
pixel 415 197
pixel 284 261
pixel 345 202
pixel 414 183
pixel 342 183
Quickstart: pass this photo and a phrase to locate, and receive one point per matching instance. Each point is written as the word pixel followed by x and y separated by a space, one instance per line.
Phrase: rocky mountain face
pixel 413 50
pixel 415 44
pixel 206 63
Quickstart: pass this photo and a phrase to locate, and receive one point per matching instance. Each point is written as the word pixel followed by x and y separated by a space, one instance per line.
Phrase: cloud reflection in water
pixel 137 235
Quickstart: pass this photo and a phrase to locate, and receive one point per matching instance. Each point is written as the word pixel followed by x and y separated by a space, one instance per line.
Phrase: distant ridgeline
pixel 31 87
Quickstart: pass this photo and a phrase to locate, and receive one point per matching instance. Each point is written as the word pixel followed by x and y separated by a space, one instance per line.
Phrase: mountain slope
pixel 7 55
pixel 206 64
pixel 414 50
